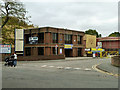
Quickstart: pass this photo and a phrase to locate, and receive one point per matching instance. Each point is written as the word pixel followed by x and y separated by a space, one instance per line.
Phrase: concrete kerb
pixel 59 60
pixel 79 58
pixel 104 70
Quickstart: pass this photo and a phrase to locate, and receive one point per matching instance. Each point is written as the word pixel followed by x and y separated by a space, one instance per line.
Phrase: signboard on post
pixel 5 48
pixel 56 46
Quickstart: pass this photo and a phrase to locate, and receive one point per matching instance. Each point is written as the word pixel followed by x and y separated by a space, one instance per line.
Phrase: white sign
pixel 87 49
pixel 5 48
pixel 19 45
pixel 33 40
pixel 56 46
pixel 99 44
pixel 61 51
pixel 93 54
pixel 19 39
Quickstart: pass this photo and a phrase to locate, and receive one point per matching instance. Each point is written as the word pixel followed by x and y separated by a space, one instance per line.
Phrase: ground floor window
pixel 28 51
pixel 54 50
pixel 40 50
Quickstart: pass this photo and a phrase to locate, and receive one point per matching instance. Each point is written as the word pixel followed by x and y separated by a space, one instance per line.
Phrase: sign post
pixel 56 48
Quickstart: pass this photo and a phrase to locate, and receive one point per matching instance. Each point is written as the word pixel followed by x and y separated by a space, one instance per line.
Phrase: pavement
pixel 78 58
pixel 109 69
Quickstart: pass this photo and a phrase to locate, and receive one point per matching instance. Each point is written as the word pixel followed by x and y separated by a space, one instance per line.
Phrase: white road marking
pixel 87 69
pixel 44 66
pixel 68 68
pixel 51 66
pixel 77 68
pixel 60 67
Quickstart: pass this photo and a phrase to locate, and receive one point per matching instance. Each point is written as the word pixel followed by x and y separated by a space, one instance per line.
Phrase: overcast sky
pixel 100 16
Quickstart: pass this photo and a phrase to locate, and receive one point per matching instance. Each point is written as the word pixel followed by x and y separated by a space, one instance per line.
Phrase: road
pixel 57 74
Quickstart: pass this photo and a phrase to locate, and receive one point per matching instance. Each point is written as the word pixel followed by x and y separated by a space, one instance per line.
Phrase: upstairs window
pixel 79 39
pixel 68 39
pixel 55 37
pixel 40 37
pixel 27 38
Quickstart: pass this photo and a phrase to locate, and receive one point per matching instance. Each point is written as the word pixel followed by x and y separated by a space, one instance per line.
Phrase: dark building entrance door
pixel 68 52
pixel 79 52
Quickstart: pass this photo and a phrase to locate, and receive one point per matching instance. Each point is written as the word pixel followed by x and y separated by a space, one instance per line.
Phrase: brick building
pixel 110 43
pixel 90 41
pixel 69 43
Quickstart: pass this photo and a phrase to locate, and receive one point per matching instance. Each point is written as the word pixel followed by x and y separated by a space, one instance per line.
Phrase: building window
pixel 28 51
pixel 40 50
pixel 27 38
pixel 79 39
pixel 40 37
pixel 68 39
pixel 54 50
pixel 79 52
pixel 55 37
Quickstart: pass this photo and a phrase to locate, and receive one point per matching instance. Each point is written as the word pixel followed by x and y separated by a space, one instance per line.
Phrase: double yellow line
pixel 102 71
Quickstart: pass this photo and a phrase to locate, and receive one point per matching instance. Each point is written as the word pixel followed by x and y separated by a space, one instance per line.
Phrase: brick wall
pixel 111 44
pixel 115 61
pixel 47 37
pixel 35 58
pixel 75 52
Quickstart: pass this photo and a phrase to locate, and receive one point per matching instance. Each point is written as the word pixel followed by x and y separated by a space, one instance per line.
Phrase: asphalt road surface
pixel 57 74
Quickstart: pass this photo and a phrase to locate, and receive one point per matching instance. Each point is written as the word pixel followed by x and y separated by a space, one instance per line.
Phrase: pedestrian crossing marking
pixel 77 68
pixel 60 67
pixel 51 66
pixel 68 67
pixel 44 66
pixel 87 69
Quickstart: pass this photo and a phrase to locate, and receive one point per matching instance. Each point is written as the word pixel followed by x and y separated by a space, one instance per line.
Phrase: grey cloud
pixel 78 16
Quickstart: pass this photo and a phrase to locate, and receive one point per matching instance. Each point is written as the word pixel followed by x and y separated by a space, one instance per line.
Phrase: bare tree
pixel 12 8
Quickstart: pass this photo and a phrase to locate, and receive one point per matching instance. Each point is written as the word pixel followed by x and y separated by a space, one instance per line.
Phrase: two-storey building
pixel 52 43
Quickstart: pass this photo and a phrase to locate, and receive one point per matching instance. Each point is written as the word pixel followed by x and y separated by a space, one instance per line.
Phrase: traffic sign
pixel 56 45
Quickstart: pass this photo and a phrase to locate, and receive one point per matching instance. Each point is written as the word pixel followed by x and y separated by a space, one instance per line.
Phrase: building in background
pixel 109 43
pixel 50 43
pixel 90 42
pixel 111 46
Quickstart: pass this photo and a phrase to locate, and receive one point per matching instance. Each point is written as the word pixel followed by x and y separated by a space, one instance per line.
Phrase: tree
pixel 13 17
pixel 14 9
pixel 93 32
pixel 115 34
pixel 8 29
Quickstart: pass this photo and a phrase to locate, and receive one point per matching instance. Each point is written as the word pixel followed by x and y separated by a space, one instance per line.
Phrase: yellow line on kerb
pixel 95 68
